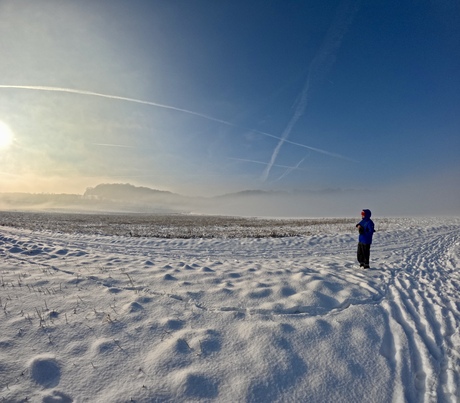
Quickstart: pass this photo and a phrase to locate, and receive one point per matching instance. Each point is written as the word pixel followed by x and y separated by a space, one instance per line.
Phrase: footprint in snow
pixel 45 370
pixel 197 386
pixel 174 324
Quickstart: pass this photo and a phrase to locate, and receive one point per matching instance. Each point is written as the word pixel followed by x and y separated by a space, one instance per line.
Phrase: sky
pixel 209 97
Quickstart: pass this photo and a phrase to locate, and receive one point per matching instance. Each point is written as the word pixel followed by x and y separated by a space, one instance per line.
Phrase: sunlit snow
pixel 110 315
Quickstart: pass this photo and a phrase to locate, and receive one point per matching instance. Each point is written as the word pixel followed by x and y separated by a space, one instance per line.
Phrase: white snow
pixel 96 318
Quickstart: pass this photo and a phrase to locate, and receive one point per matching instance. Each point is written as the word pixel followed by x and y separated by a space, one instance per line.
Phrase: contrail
pixel 320 65
pixel 158 105
pixel 98 94
pixel 288 171
pixel 318 150
pixel 111 145
pixel 266 163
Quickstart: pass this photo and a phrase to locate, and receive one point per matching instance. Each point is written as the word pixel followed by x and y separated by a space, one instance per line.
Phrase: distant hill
pixel 128 192
pixel 102 198
pixel 250 193
pixel 127 198
pixel 139 198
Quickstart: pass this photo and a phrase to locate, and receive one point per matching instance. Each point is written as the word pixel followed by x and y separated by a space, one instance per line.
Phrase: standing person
pixel 366 230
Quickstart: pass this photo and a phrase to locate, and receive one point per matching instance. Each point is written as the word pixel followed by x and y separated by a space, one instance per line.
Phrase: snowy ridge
pixel 108 318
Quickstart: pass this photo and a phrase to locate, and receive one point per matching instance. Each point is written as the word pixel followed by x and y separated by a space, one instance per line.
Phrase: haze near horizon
pixel 207 98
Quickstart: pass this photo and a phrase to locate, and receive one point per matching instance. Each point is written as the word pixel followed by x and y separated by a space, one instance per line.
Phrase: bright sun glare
pixel 6 136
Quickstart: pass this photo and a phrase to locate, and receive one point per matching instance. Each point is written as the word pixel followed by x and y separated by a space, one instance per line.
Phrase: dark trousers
pixel 364 252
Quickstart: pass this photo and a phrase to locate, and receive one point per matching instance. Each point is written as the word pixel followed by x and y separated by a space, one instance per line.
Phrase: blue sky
pixel 222 96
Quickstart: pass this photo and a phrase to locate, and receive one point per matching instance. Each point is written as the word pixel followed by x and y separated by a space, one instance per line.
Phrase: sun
pixel 6 136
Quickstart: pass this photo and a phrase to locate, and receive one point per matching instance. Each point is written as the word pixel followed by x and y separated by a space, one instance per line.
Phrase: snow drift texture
pixel 99 318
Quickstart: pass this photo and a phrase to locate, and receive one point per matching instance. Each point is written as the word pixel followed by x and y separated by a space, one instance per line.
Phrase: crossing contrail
pixel 163 106
pixel 320 65
pixel 288 171
pixel 265 163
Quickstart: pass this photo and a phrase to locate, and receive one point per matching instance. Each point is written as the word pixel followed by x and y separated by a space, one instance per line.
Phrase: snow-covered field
pixel 90 317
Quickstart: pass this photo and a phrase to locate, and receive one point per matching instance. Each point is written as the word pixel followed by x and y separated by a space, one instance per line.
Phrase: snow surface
pixel 100 318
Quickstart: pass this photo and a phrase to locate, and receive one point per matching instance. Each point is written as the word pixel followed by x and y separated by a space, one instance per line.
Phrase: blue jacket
pixel 367 228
